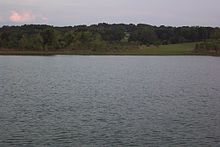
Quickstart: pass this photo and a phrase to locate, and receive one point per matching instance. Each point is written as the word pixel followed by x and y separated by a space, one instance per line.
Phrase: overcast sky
pixel 75 12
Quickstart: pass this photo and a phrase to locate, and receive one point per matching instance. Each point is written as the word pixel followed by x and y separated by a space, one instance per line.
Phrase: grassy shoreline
pixel 163 50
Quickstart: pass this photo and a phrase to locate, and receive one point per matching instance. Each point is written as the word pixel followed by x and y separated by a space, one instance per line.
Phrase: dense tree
pixel 144 35
pixel 34 42
pixel 208 47
pixel 100 36
pixel 50 38
pixel 215 34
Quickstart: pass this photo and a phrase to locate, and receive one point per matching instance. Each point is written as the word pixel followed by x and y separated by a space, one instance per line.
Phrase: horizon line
pixel 75 25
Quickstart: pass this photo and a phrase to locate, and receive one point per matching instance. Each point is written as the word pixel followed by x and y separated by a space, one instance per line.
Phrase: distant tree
pixel 4 37
pixel 113 33
pixel 97 42
pixel 44 37
pixel 50 38
pixel 33 42
pixel 68 38
pixel 37 42
pixel 215 34
pixel 0 43
pixel 144 35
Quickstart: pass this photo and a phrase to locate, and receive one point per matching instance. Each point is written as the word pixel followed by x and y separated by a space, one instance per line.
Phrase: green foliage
pixel 33 42
pixel 97 42
pixel 144 35
pixel 112 34
pixel 50 38
pixel 100 37
pixel 212 46
pixel 215 34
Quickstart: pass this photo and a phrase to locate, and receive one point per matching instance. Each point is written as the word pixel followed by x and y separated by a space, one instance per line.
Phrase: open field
pixel 173 49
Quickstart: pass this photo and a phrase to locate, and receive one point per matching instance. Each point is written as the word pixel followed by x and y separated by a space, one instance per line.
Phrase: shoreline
pixel 184 49
pixel 96 54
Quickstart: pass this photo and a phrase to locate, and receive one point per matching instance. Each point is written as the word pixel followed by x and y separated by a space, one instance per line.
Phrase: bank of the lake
pixel 172 49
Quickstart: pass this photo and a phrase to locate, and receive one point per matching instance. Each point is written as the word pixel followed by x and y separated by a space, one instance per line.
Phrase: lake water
pixel 109 101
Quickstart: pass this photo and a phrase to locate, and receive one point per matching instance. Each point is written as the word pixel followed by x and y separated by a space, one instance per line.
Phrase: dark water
pixel 109 101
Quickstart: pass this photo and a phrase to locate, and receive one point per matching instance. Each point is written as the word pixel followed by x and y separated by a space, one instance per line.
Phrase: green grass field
pixel 173 49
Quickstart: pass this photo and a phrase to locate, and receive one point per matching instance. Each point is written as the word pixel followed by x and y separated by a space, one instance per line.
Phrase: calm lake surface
pixel 109 101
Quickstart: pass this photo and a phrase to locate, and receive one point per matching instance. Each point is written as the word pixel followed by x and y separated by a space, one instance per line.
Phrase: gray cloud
pixel 73 12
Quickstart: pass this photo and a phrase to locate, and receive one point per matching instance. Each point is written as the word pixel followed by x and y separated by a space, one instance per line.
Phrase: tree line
pixel 99 36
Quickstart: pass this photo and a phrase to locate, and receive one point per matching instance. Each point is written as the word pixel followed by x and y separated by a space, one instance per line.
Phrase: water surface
pixel 109 101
